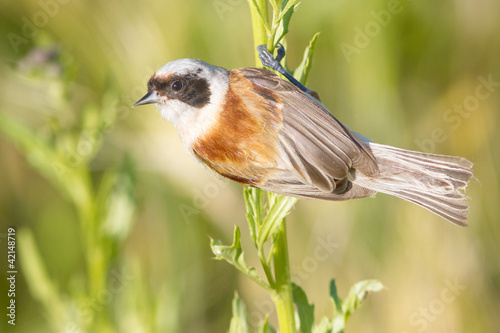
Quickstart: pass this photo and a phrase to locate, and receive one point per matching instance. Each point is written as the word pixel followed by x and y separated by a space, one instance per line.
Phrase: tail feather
pixel 429 180
pixel 451 209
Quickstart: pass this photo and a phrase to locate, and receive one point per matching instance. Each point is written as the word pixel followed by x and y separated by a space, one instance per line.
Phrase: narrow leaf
pixel 304 309
pixel 287 7
pixel 301 73
pixel 44 158
pixel 339 320
pixel 41 286
pixel 233 254
pixel 358 294
pixel 344 309
pixel 116 201
pixel 265 327
pixel 337 302
pixel 275 4
pixel 284 21
pixel 324 326
pixel 38 152
pixel 254 201
pixel 239 323
pixel 279 207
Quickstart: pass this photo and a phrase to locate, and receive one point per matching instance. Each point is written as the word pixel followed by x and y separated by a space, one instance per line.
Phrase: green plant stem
pixel 265 264
pixel 281 285
pixel 95 257
pixel 258 26
pixel 96 254
pixel 283 297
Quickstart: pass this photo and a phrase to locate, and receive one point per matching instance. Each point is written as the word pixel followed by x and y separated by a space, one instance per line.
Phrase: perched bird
pixel 251 126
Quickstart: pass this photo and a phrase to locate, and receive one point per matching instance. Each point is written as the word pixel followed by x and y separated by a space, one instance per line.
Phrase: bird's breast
pixel 242 144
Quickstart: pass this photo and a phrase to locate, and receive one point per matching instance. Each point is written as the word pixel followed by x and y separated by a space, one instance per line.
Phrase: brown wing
pixel 316 149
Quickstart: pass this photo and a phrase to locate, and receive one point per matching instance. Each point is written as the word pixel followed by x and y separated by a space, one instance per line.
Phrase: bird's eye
pixel 177 85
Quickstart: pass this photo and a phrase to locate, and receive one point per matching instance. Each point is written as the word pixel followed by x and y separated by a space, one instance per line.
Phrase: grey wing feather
pixel 315 145
pixel 322 159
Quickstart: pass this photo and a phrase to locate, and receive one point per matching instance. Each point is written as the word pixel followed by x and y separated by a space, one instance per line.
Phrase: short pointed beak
pixel 149 98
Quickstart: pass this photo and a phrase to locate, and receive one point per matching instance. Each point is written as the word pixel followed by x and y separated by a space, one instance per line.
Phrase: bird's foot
pixel 268 60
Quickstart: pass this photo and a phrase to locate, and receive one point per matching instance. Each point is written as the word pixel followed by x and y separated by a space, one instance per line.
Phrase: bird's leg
pixel 268 60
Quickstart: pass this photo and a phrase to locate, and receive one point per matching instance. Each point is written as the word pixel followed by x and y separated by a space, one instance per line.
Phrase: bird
pixel 253 127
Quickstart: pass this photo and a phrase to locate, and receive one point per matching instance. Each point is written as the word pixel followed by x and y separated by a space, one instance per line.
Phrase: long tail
pixel 429 180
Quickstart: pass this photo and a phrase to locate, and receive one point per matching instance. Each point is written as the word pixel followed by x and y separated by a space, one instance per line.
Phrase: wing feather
pixel 318 151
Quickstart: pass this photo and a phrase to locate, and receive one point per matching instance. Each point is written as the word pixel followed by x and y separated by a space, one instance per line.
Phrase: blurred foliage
pixel 69 72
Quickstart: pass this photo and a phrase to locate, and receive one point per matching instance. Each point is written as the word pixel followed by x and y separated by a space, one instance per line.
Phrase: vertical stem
pixel 96 257
pixel 258 27
pixel 283 297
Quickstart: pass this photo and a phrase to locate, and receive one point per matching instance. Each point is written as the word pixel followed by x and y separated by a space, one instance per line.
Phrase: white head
pixel 188 93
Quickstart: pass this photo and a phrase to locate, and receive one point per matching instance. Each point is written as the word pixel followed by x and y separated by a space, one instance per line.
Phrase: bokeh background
pixel 113 218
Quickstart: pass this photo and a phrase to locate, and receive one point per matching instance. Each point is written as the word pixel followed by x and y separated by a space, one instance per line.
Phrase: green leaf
pixel 254 201
pixel 288 5
pixel 358 294
pixel 324 326
pixel 95 122
pixel 117 202
pixel 338 324
pixel 337 302
pixel 233 254
pixel 339 320
pixel 304 309
pixel 275 4
pixel 38 152
pixel 284 20
pixel 239 323
pixel 301 73
pixel 279 207
pixel 265 328
pixel 41 286
pixel 70 179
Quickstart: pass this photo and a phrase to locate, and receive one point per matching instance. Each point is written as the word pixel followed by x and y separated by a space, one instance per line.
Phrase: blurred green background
pixel 80 168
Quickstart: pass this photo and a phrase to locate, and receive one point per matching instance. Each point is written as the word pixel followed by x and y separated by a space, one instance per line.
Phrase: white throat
pixel 192 122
